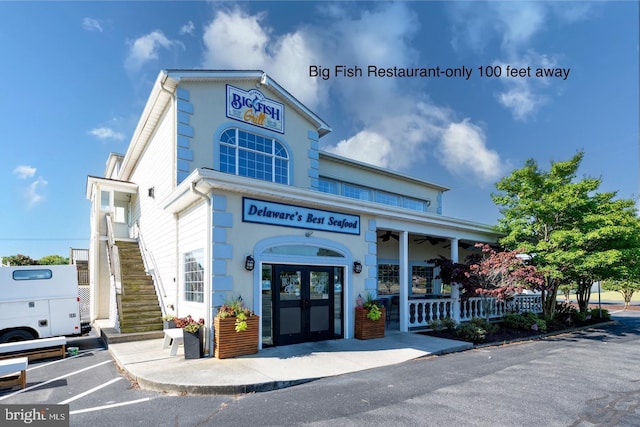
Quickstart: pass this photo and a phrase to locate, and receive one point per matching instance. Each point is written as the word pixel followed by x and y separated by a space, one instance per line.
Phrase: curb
pixel 213 390
pixel 547 335
pixel 219 390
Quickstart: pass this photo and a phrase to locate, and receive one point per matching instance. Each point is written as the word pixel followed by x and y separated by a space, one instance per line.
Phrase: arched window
pixel 254 156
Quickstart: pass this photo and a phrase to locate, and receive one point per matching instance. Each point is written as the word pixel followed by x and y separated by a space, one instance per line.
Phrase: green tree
pixel 18 259
pixel 574 234
pixel 53 260
pixel 626 287
pixel 603 245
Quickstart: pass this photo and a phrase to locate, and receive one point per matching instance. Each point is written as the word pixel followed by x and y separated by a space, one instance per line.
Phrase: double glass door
pixel 303 304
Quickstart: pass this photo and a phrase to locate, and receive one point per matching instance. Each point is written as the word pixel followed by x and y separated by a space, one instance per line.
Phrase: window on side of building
pixel 387 198
pixel 194 276
pixel 388 279
pixel 253 156
pixel 105 200
pixel 329 186
pixel 356 192
pixel 422 280
pixel 414 204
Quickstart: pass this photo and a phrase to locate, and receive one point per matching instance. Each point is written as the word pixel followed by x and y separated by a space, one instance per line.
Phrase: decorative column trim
pixel 455 288
pixel 185 133
pixel 403 258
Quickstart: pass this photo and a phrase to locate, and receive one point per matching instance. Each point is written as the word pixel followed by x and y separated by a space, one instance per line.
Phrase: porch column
pixel 455 290
pixel 404 281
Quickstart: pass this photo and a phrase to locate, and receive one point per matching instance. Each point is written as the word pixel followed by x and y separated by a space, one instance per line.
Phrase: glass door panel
pixel 303 304
pixel 321 303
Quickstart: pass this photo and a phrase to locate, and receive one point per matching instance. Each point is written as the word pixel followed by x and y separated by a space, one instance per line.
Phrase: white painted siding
pixel 157 169
pixel 193 235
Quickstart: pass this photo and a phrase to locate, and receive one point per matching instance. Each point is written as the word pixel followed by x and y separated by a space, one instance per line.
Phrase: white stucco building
pixel 223 171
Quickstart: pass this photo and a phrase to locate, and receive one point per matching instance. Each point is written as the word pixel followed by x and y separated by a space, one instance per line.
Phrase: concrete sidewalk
pixel 151 366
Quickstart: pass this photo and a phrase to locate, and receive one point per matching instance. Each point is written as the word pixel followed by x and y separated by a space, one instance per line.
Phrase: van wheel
pixel 15 336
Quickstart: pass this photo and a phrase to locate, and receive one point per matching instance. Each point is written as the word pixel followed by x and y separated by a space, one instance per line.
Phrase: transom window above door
pixel 254 156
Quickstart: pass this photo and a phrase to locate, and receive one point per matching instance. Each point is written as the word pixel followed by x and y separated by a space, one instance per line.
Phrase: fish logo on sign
pixel 255 108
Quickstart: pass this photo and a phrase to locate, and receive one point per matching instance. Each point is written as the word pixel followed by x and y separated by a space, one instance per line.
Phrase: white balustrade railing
pixel 422 311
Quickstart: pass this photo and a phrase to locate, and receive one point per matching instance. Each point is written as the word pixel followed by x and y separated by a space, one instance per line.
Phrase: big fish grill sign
pixel 255 108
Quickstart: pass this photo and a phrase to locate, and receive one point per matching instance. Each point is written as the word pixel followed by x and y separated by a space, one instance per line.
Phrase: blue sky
pixel 76 76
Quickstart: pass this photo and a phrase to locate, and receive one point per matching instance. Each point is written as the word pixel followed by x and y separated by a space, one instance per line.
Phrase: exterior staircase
pixel 138 306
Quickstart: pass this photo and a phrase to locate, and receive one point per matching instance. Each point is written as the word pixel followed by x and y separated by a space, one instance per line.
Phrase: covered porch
pixel 407 282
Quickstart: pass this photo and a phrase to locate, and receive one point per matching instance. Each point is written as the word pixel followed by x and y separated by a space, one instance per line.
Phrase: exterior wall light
pixel 357 267
pixel 249 263
pixel 151 192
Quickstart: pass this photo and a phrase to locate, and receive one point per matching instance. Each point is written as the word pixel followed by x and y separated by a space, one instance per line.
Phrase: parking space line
pixel 43 365
pixel 89 391
pixel 113 405
pixel 54 379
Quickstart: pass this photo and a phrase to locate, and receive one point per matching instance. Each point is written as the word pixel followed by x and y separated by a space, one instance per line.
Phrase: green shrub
pixel 484 324
pixel 542 325
pixel 524 321
pixel 449 323
pixel 436 325
pixel 439 325
pixel 598 313
pixel 471 332
pixel 475 330
pixel 515 321
pixel 581 316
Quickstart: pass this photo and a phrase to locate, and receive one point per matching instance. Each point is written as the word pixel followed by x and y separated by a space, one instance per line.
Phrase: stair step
pixel 142 328
pixel 140 300
pixel 130 294
pixel 139 307
pixel 153 316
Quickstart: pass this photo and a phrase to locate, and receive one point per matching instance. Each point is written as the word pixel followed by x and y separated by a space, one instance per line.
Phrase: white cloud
pixel 32 195
pixel 515 25
pixel 24 171
pixel 106 133
pixel 366 146
pixel 91 24
pixel 234 39
pixel 396 127
pixel 146 48
pixel 465 152
pixel 188 28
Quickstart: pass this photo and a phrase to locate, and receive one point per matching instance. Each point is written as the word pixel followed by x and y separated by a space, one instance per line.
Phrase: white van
pixel 38 301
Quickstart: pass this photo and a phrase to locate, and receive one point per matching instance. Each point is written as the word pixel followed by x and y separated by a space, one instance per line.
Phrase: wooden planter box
pixel 367 328
pixel 229 343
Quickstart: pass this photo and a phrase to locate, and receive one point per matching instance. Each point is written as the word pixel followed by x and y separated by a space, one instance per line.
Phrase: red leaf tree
pixel 500 274
pixel 491 274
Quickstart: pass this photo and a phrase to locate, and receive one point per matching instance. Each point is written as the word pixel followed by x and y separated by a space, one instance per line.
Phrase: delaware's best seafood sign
pixel 264 212
pixel 254 108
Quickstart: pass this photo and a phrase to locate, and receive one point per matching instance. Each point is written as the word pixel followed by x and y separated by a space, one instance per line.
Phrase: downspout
pixel 208 263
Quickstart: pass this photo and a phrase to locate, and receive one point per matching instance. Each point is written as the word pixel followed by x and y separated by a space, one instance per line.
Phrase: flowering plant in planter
pixel 189 324
pixel 192 336
pixel 373 307
pixel 367 320
pixel 168 321
pixel 236 330
pixel 235 308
